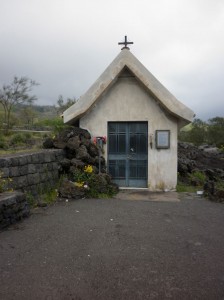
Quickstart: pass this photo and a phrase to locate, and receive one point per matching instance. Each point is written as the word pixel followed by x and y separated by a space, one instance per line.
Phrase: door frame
pixel 126 160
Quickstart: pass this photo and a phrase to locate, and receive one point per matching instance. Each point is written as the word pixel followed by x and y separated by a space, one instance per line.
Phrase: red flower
pixel 103 138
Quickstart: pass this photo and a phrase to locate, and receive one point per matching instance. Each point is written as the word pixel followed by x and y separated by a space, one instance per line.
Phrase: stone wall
pixel 32 172
pixel 13 208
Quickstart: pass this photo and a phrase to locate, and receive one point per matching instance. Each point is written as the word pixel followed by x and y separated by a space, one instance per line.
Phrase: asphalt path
pixel 130 247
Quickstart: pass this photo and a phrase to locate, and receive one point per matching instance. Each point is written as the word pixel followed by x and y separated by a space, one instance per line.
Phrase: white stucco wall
pixel 127 101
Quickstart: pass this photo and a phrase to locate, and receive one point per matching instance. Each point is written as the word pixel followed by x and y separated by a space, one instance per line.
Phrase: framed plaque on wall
pixel 162 139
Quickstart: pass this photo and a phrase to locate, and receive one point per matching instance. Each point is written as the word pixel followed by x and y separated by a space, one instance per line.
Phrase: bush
pixel 198 178
pixel 3 143
pixel 18 139
pixel 222 148
pixel 28 135
pixel 96 185
pixel 56 124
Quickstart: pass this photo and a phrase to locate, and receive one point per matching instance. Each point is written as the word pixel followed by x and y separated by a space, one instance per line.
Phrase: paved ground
pixel 147 247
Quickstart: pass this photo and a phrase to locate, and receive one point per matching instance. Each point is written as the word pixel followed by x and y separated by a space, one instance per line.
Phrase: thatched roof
pixel 126 60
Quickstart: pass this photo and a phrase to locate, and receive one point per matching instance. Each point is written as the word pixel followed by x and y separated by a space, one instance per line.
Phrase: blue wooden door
pixel 128 153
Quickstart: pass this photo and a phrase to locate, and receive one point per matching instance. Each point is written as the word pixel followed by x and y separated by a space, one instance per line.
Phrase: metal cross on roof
pixel 125 43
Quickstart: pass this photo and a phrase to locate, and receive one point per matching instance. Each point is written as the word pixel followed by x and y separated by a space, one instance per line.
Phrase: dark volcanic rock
pixel 59 144
pixel 219 195
pixel 77 144
pixel 65 165
pixel 48 143
pixel 70 191
pixel 60 141
pixel 191 157
pixel 76 131
pixel 93 150
pixel 77 163
pixel 80 152
pixel 209 187
pixel 86 142
pixel 74 143
pixel 213 193
pixel 211 174
pixel 102 184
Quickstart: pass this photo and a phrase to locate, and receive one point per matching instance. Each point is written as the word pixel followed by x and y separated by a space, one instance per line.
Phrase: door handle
pixel 132 151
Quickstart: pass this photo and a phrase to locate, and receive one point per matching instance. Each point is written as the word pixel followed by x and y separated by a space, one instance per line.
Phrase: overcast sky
pixel 66 44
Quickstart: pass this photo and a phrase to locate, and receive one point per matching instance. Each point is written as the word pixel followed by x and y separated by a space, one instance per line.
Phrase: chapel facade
pixel 140 119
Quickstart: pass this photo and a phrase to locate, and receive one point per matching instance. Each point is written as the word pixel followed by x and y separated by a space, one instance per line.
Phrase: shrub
pixel 56 124
pixel 18 138
pixel 96 185
pixel 28 135
pixel 198 178
pixel 3 143
pixel 30 199
pixel 50 196
pixel 83 177
pixel 4 184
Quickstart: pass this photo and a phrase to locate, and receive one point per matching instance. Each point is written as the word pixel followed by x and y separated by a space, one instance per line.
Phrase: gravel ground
pixel 136 246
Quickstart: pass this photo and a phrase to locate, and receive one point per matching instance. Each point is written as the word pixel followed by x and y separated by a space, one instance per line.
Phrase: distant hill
pixel 42 111
pixel 24 114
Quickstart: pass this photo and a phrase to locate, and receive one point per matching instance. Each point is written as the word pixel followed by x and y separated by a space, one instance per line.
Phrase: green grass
pixel 183 188
pixel 14 151
pixel 50 196
pixel 220 185
pixel 47 197
pixel 17 142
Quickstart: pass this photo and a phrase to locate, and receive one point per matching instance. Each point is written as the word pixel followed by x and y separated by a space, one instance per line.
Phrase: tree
pixel 216 131
pixel 62 104
pixel 18 92
pixel 198 133
pixel 211 132
pixel 28 115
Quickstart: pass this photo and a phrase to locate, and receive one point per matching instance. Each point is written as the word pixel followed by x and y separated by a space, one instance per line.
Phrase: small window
pixel 162 139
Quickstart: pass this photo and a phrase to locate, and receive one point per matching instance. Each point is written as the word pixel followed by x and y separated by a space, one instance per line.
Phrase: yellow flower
pixel 79 184
pixel 88 169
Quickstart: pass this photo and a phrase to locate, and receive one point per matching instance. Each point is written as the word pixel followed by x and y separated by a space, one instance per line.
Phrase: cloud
pixel 65 45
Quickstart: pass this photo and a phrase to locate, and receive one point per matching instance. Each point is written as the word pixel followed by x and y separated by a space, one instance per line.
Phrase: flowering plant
pixel 88 169
pixel 83 177
pixel 103 138
pixel 4 182
pixel 79 183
